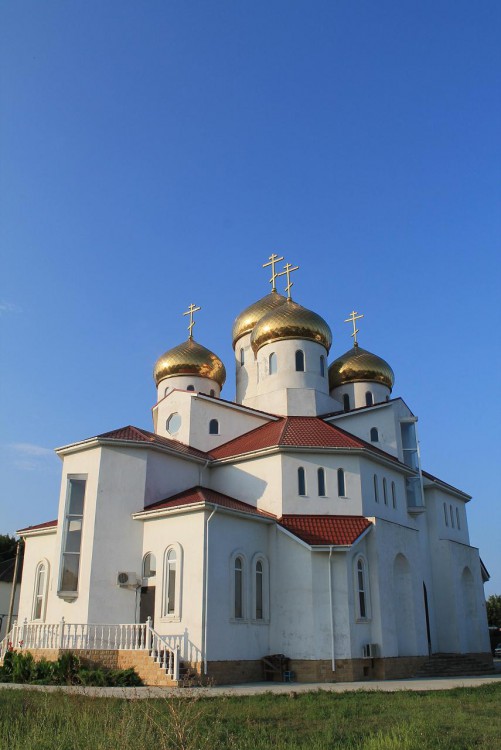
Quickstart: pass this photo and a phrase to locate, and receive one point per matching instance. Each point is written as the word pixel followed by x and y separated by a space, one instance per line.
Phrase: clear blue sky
pixel 155 153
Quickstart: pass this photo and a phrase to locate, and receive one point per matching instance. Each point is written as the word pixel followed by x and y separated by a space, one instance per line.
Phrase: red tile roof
pixel 45 525
pixel 326 530
pixel 204 495
pixel 137 435
pixel 304 432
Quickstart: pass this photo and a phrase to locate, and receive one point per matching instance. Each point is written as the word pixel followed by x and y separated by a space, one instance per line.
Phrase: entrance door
pixel 147 603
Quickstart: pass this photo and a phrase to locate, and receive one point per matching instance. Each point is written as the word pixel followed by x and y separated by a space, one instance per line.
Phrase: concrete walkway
pixel 276 688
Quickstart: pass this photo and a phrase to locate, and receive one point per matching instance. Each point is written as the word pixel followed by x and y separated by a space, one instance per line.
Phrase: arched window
pixel 385 492
pixel 457 519
pixel 259 590
pixel 346 402
pixel 301 481
pixel 238 578
pixel 40 592
pixel 446 517
pixel 361 589
pixel 341 485
pixel 170 582
pixel 393 495
pixel 374 435
pixel 322 366
pixel 369 399
pixel 212 392
pixel 166 391
pixel 376 489
pixel 149 565
pixel 452 516
pixel 321 482
pixel 213 427
pixel 242 356
pixel 190 388
pixel 299 361
pixel 272 363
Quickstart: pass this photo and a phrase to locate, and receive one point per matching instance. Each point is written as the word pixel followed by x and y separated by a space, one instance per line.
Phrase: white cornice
pixel 98 442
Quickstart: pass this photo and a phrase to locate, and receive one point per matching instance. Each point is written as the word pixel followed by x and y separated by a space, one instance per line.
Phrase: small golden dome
pixel 245 322
pixel 189 358
pixel 290 321
pixel 358 365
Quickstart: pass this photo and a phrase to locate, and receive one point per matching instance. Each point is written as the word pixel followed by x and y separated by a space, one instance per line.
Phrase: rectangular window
pixel 73 536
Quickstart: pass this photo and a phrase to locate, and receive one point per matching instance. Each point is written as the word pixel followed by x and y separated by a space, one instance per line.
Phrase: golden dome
pixel 290 321
pixel 358 365
pixel 245 322
pixel 190 358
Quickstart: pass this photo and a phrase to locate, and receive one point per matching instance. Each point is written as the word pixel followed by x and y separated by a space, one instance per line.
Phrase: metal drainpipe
pixel 332 612
pixel 206 593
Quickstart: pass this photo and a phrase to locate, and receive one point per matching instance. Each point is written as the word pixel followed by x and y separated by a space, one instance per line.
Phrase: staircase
pixel 453 665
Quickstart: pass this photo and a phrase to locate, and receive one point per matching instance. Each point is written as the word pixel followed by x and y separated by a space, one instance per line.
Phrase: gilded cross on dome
pixel 273 260
pixel 287 272
pixel 351 319
pixel 191 309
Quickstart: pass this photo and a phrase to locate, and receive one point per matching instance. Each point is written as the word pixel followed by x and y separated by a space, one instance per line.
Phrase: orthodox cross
pixel 288 270
pixel 273 260
pixel 191 309
pixel 353 317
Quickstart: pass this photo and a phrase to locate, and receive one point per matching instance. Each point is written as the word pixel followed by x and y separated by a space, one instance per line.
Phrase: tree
pixel 8 546
pixel 494 610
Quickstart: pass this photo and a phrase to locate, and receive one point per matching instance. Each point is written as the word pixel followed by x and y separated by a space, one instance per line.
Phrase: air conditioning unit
pixel 127 579
pixel 370 650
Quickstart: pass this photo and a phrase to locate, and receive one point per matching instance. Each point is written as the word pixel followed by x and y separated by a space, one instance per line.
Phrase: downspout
pixel 201 470
pixel 206 584
pixel 332 613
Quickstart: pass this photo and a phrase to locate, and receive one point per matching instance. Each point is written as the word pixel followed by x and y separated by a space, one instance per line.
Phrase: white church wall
pixel 311 503
pixel 374 500
pixel 40 546
pixel 167 474
pixel 185 533
pixel 246 374
pixel 121 487
pixel 257 482
pixel 228 637
pixel 357 393
pixel 381 417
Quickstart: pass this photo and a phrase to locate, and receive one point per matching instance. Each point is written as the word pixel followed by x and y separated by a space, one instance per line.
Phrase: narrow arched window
pixel 385 492
pixel 457 519
pixel 238 572
pixel 361 589
pixel 301 481
pixel 39 597
pixel 322 366
pixel 393 495
pixel 445 515
pixel 170 583
pixel 376 489
pixel 272 363
pixel 346 402
pixel 341 486
pixel 190 388
pixel 321 482
pixel 374 435
pixel 149 565
pixel 213 427
pixel 242 356
pixel 369 400
pixel 299 361
pixel 452 516
pixel 259 590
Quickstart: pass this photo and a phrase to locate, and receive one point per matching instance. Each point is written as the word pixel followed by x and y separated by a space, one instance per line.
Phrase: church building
pixel 296 520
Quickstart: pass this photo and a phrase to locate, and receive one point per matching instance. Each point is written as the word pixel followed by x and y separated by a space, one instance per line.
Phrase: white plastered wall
pixel 357 393
pixel 39 546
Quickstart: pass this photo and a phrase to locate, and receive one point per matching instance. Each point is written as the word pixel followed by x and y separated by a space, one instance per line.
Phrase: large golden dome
pixel 189 358
pixel 358 365
pixel 290 321
pixel 245 322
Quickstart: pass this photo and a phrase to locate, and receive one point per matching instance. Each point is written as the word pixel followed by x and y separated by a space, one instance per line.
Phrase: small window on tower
pixel 346 402
pixel 299 361
pixel 242 356
pixel 322 366
pixel 272 363
pixel 190 388
pixel 369 400
pixel 374 435
pixel 341 485
pixel 213 427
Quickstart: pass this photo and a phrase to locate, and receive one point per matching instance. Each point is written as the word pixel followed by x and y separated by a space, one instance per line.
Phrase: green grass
pixel 460 719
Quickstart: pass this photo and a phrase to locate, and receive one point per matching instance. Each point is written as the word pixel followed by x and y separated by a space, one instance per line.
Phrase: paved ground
pixel 436 683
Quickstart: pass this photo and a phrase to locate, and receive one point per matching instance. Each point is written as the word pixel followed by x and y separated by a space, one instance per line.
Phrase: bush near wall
pixel 21 667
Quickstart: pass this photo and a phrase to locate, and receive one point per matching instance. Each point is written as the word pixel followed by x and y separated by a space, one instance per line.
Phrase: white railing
pixel 86 636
